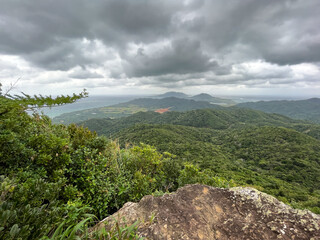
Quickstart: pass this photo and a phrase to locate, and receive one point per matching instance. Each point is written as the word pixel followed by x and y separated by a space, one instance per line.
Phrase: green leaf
pixel 14 230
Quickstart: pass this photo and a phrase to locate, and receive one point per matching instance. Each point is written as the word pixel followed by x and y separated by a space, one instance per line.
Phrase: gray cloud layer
pixel 169 42
pixel 181 56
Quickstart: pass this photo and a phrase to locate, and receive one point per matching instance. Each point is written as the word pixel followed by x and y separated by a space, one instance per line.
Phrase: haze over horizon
pixel 144 47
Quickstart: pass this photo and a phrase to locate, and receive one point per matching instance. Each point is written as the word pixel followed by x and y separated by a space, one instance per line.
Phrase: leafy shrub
pixel 192 174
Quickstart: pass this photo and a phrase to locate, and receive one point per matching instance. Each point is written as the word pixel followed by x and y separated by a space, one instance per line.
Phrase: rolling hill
pixel 214 100
pixel 218 119
pixel 172 94
pixel 276 160
pixel 302 109
pixel 271 152
pixel 175 104
pixel 200 97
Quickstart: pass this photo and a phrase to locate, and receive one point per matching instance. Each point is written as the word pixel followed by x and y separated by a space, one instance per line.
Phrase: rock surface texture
pixel 203 212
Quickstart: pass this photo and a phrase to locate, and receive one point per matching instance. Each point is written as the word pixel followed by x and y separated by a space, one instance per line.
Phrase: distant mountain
pixel 134 106
pixel 173 94
pixel 302 109
pixel 211 99
pixel 175 104
pixel 200 97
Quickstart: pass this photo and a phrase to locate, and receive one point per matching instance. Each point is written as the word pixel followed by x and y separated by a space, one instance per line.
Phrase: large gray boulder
pixel 203 212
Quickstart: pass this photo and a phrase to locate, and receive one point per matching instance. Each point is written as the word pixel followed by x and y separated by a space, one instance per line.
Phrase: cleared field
pixel 104 112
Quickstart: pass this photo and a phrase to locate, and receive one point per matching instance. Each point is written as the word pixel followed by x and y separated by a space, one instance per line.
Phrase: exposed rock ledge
pixel 203 212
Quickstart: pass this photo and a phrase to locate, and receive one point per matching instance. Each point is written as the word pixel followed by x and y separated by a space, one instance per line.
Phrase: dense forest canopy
pixel 228 118
pixel 271 152
pixel 300 109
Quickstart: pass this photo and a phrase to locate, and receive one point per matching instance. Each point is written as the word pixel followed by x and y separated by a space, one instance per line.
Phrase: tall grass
pixel 82 231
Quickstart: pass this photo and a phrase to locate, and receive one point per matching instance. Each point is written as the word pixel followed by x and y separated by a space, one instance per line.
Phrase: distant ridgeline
pixel 200 97
pixel 303 109
pixel 134 106
pixel 176 101
pixel 270 152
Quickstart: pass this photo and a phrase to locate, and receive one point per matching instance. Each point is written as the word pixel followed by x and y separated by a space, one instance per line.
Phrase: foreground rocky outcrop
pixel 203 212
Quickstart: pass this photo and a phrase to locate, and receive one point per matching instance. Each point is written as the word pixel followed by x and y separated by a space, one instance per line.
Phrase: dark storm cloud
pixel 141 21
pixel 62 56
pixel 69 54
pixel 288 34
pixel 284 32
pixel 34 25
pixel 29 26
pixel 180 56
pixel 172 38
pixel 35 28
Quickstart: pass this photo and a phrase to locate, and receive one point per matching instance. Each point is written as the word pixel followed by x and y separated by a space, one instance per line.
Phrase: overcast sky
pixel 222 47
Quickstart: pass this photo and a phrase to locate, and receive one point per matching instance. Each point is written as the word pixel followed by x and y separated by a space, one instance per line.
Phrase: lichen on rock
pixel 204 212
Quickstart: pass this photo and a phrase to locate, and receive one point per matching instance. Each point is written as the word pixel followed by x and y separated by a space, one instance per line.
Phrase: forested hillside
pixel 303 109
pixel 199 97
pixel 204 118
pixel 215 100
pixel 277 160
pixel 272 152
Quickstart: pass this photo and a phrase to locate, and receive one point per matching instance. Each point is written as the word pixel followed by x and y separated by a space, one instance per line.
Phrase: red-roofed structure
pixel 162 110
